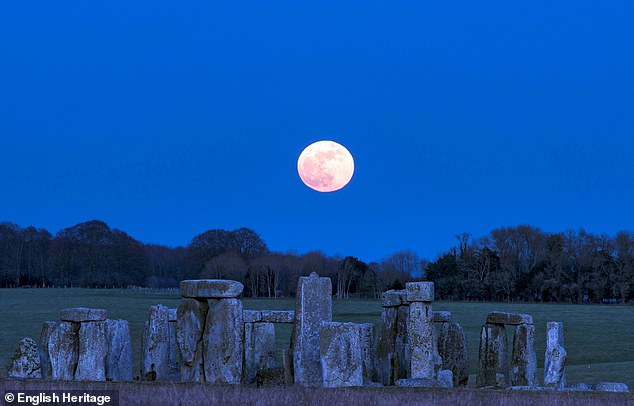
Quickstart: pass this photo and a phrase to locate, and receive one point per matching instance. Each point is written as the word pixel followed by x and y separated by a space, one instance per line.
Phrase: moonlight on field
pixel 325 166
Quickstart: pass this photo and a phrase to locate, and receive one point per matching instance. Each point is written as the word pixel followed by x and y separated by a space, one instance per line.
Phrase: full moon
pixel 325 166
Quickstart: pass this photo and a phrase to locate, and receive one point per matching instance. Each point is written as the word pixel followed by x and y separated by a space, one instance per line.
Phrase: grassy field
pixel 599 339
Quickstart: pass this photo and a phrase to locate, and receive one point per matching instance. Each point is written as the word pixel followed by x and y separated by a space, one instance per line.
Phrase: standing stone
pixel 287 364
pixel 25 363
pixel 45 359
pixel 385 346
pixel 174 358
pixel 524 358
pixel 401 345
pixel 493 369
pixel 155 345
pixel 259 350
pixel 190 324
pixel 421 337
pixel 445 379
pixel 452 348
pixel 93 348
pixel 313 305
pixel 222 341
pixel 367 352
pixel 554 364
pixel 341 355
pixel 119 363
pixel 63 349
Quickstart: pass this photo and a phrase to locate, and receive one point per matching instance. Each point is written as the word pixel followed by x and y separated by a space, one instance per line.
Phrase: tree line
pixel 519 263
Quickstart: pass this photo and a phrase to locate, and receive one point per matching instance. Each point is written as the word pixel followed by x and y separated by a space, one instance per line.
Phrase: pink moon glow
pixel 325 166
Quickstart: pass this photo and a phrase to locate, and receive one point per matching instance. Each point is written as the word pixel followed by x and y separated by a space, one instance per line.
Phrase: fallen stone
pixel 368 352
pixel 341 355
pixel 421 334
pixel 223 348
pixel 394 298
pixel 420 291
pixel 156 345
pixel 278 316
pixel 385 347
pixel 513 319
pixel 555 360
pixel 452 348
pixel 610 387
pixel 119 363
pixel 259 350
pixel 444 379
pixel 93 348
pixel 211 289
pixel 251 316
pixel 441 317
pixel 416 383
pixel 270 377
pixel 45 358
pixel 523 357
pixel 190 325
pixel 493 369
pixel 524 388
pixel 579 386
pixel 63 350
pixel 25 363
pixel 81 314
pixel 313 305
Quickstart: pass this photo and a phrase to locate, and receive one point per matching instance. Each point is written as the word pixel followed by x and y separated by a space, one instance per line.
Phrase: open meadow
pixel 599 339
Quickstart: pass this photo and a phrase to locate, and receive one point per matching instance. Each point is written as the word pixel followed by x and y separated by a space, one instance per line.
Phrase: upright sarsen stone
pixel 493 368
pixel 452 347
pixel 259 350
pixel 119 363
pixel 45 359
pixel 386 358
pixel 341 354
pixel 555 361
pixel 222 341
pixel 524 358
pixel 63 349
pixel 25 363
pixel 93 348
pixel 155 345
pixel 402 348
pixel 313 305
pixel 367 352
pixel 420 328
pixel 190 325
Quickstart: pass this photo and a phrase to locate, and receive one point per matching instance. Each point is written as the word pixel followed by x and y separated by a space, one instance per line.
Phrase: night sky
pixel 166 119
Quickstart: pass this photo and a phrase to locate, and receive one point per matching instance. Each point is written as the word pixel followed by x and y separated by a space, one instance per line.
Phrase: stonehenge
pixel 25 363
pixel 555 360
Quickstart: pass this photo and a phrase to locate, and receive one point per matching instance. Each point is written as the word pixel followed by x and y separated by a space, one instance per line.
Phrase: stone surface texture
pixel 452 348
pixel 156 345
pixel 610 387
pixel 25 362
pixel 81 314
pixel 421 334
pixel 513 319
pixel 45 358
pixel 385 346
pixel 368 352
pixel 523 357
pixel 394 298
pixel 211 289
pixel 420 291
pixel 441 317
pixel 190 325
pixel 555 360
pixel 341 354
pixel 223 348
pixel 259 350
pixel 278 316
pixel 93 349
pixel 313 305
pixel 445 379
pixel 493 369
pixel 119 363
pixel 63 350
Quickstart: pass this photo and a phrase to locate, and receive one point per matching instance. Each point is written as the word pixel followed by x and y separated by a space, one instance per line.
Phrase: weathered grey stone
pixel 45 359
pixel 81 314
pixel 452 348
pixel 524 388
pixel 513 319
pixel 555 361
pixel 610 387
pixel 270 377
pixel 441 317
pixel 251 316
pixel 211 289
pixel 287 364
pixel 416 383
pixel 445 379
pixel 174 358
pixel 386 346
pixel 367 352
pixel 259 350
pixel 402 348
pixel 420 291
pixel 190 325
pixel 171 315
pixel 93 348
pixel 421 334
pixel 493 369
pixel 156 345
pixel 524 358
pixel 25 363
pixel 394 298
pixel 119 363
pixel 222 341
pixel 313 305
pixel 63 350
pixel 341 355
pixel 278 316
pixel 579 386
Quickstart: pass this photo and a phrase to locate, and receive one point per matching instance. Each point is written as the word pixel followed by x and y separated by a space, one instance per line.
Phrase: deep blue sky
pixel 166 119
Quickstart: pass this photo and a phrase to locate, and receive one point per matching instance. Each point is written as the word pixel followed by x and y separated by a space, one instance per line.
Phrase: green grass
pixel 599 339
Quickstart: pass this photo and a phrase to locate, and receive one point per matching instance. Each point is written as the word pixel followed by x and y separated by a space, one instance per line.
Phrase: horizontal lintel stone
pixel 81 314
pixel 513 319
pixel 211 288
